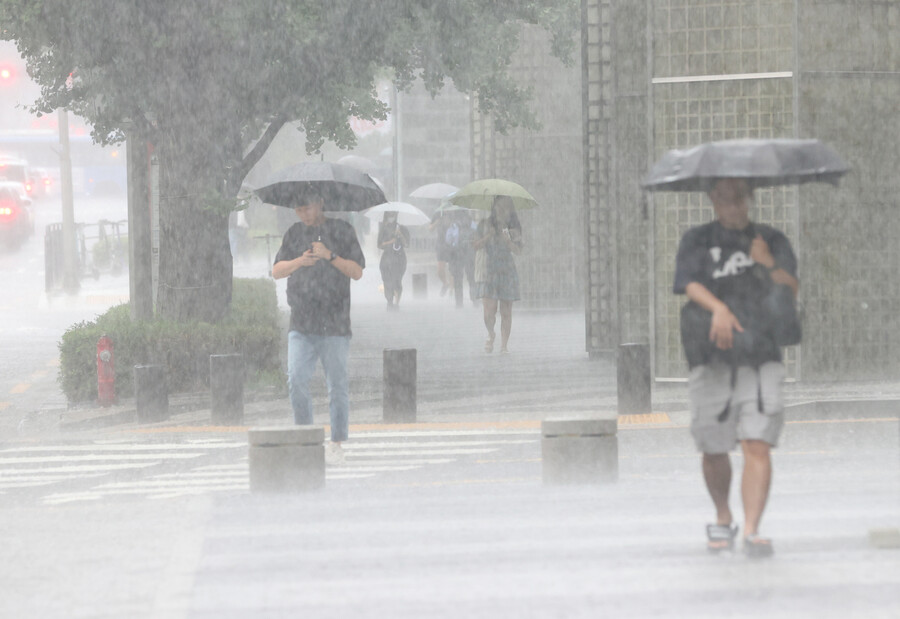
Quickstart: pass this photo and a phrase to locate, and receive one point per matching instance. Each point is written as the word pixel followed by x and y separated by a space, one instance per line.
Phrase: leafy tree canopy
pixel 212 77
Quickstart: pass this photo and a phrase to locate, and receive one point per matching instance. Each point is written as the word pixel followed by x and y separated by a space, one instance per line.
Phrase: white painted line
pixel 334 476
pixel 201 474
pixel 362 459
pixel 83 468
pixel 102 447
pixel 374 469
pixel 98 457
pixel 24 484
pixel 150 484
pixel 352 447
pixel 56 499
pixel 436 433
pixel 722 78
pixel 422 452
pixel 42 478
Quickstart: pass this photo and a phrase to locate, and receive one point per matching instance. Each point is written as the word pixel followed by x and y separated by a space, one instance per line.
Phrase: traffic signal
pixel 7 75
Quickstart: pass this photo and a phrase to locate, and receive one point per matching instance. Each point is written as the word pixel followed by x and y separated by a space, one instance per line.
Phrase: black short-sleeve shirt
pixel 319 295
pixel 719 259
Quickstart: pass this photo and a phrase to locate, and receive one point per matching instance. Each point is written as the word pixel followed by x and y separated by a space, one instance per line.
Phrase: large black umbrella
pixel 341 187
pixel 763 162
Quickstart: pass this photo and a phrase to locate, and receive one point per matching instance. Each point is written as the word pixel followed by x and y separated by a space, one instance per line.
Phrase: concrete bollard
pixel 420 285
pixel 580 451
pixel 399 398
pixel 226 389
pixel 151 396
pixel 633 379
pixel 286 459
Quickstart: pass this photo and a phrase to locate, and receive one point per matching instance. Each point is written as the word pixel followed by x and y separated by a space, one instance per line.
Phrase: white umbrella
pixel 408 215
pixel 433 191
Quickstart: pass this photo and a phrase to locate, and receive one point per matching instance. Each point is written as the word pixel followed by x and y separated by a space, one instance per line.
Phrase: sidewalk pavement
pixel 546 374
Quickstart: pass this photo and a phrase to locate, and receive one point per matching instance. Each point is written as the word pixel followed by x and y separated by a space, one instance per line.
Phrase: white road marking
pixel 352 447
pixel 106 447
pixel 95 458
pixel 81 468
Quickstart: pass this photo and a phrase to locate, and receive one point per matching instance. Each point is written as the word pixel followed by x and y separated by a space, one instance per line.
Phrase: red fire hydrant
pixel 106 375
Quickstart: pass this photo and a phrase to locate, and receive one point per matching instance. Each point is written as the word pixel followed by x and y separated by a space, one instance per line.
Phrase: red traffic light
pixel 7 74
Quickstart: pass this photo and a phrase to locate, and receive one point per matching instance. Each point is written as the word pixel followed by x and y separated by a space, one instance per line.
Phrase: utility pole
pixel 71 283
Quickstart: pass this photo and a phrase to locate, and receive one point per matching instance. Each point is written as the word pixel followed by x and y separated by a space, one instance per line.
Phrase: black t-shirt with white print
pixel 319 295
pixel 719 259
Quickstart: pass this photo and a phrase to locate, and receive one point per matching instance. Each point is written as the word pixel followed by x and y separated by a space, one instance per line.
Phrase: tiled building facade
pixel 662 74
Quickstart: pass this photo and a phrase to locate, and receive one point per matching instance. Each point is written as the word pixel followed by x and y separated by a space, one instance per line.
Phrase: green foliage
pixel 251 329
pixel 212 75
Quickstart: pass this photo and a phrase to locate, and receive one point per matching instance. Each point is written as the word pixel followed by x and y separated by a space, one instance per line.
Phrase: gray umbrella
pixel 343 188
pixel 763 162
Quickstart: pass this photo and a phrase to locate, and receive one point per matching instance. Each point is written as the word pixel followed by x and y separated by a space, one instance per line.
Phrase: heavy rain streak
pixel 534 308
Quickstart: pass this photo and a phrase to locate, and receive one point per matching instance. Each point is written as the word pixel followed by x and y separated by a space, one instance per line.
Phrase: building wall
pixel 722 69
pixel 848 88
pixel 548 163
pixel 434 138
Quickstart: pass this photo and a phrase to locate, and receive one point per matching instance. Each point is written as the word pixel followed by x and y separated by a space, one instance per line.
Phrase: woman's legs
pixel 505 323
pixel 490 318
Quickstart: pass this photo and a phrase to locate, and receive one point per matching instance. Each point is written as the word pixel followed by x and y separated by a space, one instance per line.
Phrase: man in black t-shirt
pixel 725 268
pixel 319 256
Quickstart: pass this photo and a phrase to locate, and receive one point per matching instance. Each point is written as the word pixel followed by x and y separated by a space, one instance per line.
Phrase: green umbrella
pixel 480 194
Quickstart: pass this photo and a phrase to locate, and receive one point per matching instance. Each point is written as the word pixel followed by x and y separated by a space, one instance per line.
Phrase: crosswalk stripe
pixel 121 447
pixel 419 452
pixel 367 455
pixel 78 468
pixel 352 447
pixel 95 458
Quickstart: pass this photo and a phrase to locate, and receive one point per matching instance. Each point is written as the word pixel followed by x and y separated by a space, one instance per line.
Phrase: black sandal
pixel 720 537
pixel 758 547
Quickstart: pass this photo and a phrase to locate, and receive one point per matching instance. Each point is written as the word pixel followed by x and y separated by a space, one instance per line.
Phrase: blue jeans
pixel 303 352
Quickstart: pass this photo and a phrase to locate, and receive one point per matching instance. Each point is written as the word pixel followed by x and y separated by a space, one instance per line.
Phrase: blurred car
pixel 16 215
pixel 39 183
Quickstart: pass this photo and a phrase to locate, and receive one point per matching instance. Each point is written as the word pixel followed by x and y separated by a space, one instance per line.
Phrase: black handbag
pixel 780 307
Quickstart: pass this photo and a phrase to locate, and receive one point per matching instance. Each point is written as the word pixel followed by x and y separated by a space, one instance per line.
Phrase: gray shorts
pixel 716 432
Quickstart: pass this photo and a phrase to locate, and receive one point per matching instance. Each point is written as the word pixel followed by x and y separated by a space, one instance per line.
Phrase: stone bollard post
pixel 399 399
pixel 580 451
pixel 226 389
pixel 287 459
pixel 633 379
pixel 151 396
pixel 420 285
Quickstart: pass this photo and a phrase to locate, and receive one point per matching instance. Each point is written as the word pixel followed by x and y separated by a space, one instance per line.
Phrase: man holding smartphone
pixel 319 256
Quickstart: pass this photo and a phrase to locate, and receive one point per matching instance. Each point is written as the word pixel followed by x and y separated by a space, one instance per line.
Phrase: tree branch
pixel 256 153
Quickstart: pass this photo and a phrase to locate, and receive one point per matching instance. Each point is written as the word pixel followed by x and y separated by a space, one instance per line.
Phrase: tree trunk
pixel 195 263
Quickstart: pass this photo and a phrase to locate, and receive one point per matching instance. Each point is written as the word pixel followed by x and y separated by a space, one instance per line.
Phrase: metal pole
pixel 70 257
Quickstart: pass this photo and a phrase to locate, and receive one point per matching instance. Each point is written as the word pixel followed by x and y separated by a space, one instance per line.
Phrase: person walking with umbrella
pixel 740 278
pixel 392 240
pixel 726 267
pixel 319 256
pixel 500 236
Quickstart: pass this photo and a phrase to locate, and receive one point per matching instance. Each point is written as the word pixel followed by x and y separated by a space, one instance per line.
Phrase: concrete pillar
pixel 226 388
pixel 633 379
pixel 151 396
pixel 580 451
pixel 286 459
pixel 399 399
pixel 420 285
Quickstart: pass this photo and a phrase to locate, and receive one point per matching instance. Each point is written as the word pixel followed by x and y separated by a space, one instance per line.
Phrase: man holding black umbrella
pixel 320 256
pixel 726 268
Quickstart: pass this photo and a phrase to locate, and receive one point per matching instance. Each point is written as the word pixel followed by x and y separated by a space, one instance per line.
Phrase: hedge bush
pixel 251 329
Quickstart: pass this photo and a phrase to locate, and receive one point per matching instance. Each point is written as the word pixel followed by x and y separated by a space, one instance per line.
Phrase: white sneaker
pixel 334 454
